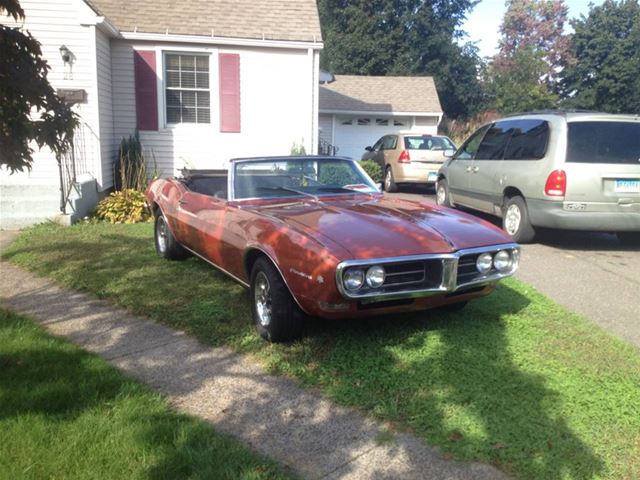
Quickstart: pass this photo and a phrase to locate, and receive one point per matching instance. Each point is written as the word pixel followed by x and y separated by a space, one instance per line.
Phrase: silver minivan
pixel 577 171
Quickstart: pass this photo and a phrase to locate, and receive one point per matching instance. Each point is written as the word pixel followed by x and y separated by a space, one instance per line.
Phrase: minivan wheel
pixel 515 220
pixel 442 194
pixel 629 238
pixel 389 181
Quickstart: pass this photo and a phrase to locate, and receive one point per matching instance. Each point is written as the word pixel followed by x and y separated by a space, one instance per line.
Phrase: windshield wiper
pixel 287 189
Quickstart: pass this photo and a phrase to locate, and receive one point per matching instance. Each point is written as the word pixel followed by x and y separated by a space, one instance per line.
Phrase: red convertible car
pixel 314 235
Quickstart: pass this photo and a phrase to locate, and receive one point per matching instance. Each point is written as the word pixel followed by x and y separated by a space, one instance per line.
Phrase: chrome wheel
pixel 441 195
pixel 512 219
pixel 162 236
pixel 262 299
pixel 387 180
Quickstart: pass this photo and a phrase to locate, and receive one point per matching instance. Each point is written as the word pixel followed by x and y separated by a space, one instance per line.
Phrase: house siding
pixel 108 147
pixel 325 121
pixel 274 88
pixel 55 23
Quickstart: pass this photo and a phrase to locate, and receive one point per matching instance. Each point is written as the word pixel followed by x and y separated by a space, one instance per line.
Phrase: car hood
pixel 387 227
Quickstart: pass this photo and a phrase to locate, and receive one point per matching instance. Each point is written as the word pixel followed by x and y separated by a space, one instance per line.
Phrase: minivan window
pixel 529 140
pixel 604 142
pixel 494 142
pixel 470 147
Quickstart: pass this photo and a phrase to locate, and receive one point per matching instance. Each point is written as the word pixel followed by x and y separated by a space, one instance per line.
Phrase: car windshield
pixel 427 142
pixel 283 177
pixel 604 142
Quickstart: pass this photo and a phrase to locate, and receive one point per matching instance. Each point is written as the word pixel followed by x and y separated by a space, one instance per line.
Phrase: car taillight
pixel 556 185
pixel 404 157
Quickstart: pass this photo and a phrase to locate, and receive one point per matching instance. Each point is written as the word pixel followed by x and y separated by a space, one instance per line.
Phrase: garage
pixel 355 111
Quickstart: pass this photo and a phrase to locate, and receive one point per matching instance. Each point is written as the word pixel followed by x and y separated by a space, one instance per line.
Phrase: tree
pixel 605 74
pixel 30 110
pixel 403 37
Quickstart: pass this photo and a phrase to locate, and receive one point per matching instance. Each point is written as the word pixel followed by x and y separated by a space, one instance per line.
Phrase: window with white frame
pixel 187 90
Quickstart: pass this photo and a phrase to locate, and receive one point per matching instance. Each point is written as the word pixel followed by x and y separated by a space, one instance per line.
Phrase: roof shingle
pixel 354 93
pixel 294 20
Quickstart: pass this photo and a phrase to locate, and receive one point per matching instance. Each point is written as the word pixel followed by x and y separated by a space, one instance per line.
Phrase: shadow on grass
pixel 454 379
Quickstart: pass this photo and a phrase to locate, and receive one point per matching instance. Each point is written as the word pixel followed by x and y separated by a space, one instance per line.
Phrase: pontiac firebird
pixel 313 235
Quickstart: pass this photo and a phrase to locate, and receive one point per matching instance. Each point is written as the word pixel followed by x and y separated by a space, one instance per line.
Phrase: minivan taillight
pixel 556 185
pixel 404 157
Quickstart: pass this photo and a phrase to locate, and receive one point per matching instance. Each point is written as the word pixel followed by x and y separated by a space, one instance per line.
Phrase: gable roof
pixel 292 20
pixel 355 93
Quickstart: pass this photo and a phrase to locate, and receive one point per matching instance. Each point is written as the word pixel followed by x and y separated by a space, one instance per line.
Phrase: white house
pixel 202 80
pixel 357 110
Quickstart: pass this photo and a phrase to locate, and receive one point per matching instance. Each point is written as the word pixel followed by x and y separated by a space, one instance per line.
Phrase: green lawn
pixel 513 380
pixel 65 413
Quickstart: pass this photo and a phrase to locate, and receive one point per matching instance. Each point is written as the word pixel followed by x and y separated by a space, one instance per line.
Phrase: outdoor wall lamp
pixel 67 55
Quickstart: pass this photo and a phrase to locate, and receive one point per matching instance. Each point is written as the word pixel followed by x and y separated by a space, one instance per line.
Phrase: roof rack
pixel 562 112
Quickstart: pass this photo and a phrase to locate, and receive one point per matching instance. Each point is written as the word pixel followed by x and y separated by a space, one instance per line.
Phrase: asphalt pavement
pixel 590 273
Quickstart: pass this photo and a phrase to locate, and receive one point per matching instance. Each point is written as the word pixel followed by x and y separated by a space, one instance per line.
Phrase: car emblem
pixel 320 279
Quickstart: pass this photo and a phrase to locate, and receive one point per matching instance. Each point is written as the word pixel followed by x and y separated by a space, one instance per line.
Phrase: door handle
pixel 475 169
pixel 182 202
pixel 468 169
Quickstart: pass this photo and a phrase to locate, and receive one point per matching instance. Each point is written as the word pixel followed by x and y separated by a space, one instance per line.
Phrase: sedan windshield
pixel 283 177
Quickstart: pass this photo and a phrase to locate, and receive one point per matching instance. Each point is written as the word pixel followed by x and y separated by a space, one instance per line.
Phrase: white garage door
pixel 352 133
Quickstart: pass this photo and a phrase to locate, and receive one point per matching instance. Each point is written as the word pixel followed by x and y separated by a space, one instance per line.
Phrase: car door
pixel 375 152
pixel 486 166
pixel 389 150
pixel 459 167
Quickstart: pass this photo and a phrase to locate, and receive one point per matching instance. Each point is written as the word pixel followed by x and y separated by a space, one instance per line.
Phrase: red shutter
pixel 229 66
pixel 144 65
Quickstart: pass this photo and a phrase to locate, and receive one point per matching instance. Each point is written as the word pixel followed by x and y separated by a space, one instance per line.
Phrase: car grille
pixel 467 271
pixel 416 275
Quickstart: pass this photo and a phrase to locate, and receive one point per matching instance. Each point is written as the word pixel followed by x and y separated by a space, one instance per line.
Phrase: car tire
pixel 516 222
pixel 629 238
pixel 389 182
pixel 166 244
pixel 443 197
pixel 276 315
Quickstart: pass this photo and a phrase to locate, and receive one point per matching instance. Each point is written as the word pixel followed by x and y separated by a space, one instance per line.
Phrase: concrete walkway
pixel 275 417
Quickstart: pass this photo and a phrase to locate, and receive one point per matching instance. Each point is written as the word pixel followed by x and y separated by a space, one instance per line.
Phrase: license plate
pixel 432 177
pixel 627 186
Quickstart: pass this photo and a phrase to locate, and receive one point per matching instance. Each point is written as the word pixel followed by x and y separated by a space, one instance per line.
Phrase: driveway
pixel 590 273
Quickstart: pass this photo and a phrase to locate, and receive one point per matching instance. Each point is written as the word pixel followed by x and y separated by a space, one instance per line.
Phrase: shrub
pixel 298 148
pixel 373 169
pixel 336 174
pixel 124 206
pixel 130 167
pixel 459 129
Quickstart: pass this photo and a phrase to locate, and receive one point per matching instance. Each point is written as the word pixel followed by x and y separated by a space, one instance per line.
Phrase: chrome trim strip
pixel 449 273
pixel 232 276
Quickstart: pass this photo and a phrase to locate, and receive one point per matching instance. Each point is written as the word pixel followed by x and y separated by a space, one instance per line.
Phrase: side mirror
pixel 449 153
pixel 369 149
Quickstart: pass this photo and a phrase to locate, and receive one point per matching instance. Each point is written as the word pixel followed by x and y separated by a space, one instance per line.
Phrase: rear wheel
pixel 629 238
pixel 166 244
pixel 443 197
pixel 515 220
pixel 389 181
pixel 275 313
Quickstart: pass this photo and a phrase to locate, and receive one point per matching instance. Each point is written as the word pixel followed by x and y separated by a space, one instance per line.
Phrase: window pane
pixel 188 98
pixel 470 147
pixel 202 63
pixel 187 63
pixel 364 121
pixel 188 79
pixel 204 116
pixel 202 80
pixel 202 99
pixel 382 121
pixel 528 141
pixel 173 62
pixel 173 79
pixel 173 114
pixel 189 115
pixel 173 98
pixel 494 142
pixel 604 142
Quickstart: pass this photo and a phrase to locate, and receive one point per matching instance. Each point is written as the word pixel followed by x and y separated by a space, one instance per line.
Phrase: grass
pixel 513 380
pixel 65 413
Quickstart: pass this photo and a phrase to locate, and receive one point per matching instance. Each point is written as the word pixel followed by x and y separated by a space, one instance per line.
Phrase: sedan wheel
pixel 389 182
pixel 275 313
pixel 166 244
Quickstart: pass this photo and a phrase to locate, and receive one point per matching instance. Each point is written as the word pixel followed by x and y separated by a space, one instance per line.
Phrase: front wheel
pixel 515 220
pixel 275 313
pixel 166 244
pixel 443 197
pixel 389 181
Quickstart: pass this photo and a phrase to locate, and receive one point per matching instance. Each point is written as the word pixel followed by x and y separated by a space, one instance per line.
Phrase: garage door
pixel 352 134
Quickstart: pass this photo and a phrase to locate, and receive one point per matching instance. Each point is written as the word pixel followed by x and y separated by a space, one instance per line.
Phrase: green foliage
pixel 459 129
pixel 123 206
pixel 605 71
pixel 66 413
pixel 514 380
pixel 337 174
pixel 298 148
pixel 411 37
pixel 519 87
pixel 131 166
pixel 30 109
pixel 373 169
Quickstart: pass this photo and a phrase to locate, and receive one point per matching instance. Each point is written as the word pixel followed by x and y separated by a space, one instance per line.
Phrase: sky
pixel 484 21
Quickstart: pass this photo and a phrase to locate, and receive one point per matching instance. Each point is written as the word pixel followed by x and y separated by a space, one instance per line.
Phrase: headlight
pixel 353 279
pixel 375 276
pixel 502 261
pixel 484 262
